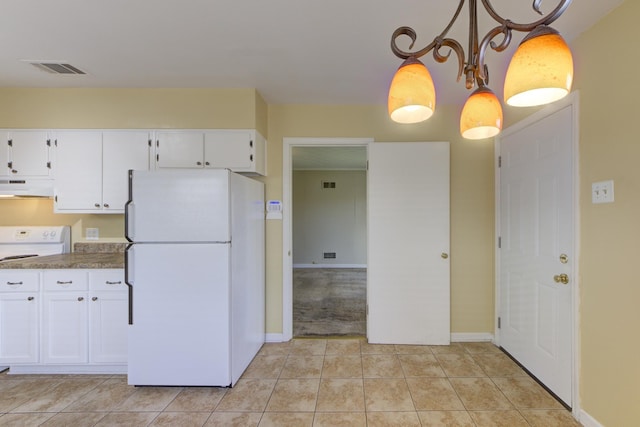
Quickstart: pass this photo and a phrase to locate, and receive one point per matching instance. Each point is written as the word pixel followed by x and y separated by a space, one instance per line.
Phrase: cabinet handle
pixel 251 157
pixel 14 171
pixel 119 282
pixel 29 298
pixel 14 283
pixel 199 163
pixel 80 298
pixel 94 299
pixel 251 143
pixel 207 163
pixel 106 205
pixel 97 205
pixel 68 282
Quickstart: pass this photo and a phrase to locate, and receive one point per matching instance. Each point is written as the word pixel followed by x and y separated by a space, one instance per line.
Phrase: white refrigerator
pixel 196 276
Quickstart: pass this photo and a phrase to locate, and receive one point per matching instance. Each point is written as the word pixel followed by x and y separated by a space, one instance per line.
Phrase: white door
pixel 536 227
pixel 408 272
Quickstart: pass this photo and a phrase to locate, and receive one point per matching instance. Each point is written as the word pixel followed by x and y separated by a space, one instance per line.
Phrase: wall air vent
pixel 329 255
pixel 57 67
pixel 328 185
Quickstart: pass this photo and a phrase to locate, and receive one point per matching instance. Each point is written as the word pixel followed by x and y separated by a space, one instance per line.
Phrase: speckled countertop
pixel 85 255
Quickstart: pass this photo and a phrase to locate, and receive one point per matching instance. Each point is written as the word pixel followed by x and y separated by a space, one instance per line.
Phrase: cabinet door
pixel 121 151
pixel 108 322
pixel 231 149
pixel 78 181
pixel 64 327
pixel 4 154
pixel 179 149
pixel 29 153
pixel 19 327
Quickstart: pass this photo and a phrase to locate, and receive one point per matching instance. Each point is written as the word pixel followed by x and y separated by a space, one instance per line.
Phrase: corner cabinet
pixel 240 150
pixel 91 174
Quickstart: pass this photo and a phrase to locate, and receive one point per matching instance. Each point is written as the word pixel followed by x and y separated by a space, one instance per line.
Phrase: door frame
pixel 287 218
pixel 573 100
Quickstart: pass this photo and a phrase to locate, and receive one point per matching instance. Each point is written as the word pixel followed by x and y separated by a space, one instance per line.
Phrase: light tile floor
pixel 305 382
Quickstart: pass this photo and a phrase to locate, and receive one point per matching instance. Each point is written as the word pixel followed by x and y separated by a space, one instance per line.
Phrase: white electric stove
pixel 29 241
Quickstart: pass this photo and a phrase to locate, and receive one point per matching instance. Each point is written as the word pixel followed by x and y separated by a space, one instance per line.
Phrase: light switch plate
pixel 602 192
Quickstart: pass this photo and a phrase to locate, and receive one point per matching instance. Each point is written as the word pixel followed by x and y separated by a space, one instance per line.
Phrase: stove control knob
pixel 52 234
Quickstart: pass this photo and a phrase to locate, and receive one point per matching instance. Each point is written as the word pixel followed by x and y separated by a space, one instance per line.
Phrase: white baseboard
pixel 587 420
pixel 471 337
pixel 329 265
pixel 274 338
pixel 455 337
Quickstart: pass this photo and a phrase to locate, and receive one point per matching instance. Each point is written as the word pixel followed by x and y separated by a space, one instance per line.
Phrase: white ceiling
pixel 292 51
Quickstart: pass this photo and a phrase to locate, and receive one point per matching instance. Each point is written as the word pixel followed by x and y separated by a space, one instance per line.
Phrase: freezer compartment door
pixel 178 205
pixel 180 331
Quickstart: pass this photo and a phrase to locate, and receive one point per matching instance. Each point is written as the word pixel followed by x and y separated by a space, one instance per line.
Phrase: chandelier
pixel 540 71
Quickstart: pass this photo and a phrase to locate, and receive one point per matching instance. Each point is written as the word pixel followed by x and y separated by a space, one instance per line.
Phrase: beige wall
pixel 329 220
pixel 472 209
pixel 607 77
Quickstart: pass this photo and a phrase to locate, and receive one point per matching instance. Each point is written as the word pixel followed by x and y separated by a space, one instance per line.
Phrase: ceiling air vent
pixel 57 67
pixel 328 184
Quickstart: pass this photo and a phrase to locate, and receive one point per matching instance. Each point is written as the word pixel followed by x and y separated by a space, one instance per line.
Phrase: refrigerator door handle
pixel 128 210
pixel 127 278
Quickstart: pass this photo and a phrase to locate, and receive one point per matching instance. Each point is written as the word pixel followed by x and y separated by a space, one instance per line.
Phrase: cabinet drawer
pixel 65 280
pixel 19 281
pixel 107 280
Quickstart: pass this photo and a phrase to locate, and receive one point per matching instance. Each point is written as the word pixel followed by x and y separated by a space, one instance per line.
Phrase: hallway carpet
pixel 329 302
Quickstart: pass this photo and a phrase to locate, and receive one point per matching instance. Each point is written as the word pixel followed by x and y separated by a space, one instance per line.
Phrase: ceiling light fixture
pixel 540 72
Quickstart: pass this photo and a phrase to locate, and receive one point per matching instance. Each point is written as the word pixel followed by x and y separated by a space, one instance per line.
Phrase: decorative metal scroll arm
pixel 488 41
pixel 546 20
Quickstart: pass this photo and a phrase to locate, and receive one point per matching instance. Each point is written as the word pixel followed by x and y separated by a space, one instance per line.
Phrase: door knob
pixel 444 255
pixel 561 278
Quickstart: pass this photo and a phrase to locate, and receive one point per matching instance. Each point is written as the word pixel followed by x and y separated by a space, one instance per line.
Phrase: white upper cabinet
pixel 25 154
pixel 121 152
pixel 179 149
pixel 78 180
pixel 240 150
pixel 92 169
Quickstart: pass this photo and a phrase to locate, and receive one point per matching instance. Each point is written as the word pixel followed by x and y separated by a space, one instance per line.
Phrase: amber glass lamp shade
pixel 412 96
pixel 541 70
pixel 481 115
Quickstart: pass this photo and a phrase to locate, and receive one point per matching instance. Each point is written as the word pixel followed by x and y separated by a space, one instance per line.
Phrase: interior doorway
pixel 329 188
pixel 324 236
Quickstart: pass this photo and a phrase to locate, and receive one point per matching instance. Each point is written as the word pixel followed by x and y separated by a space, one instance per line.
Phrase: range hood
pixel 26 188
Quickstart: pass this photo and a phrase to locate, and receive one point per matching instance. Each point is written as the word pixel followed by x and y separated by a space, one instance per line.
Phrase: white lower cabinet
pixel 108 317
pixel 64 332
pixel 19 317
pixel 79 327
